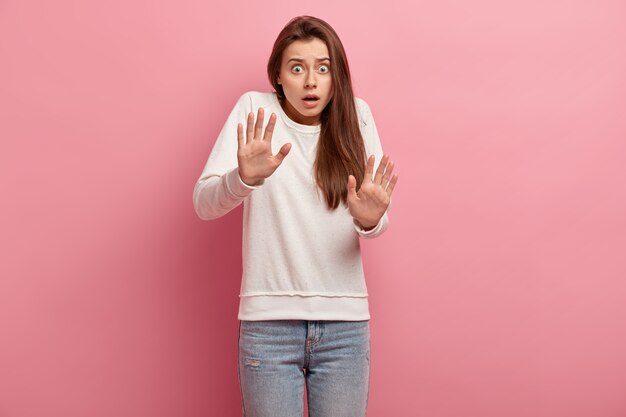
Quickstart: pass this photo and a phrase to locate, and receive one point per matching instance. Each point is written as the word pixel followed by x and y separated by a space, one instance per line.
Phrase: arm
pixel 220 188
pixel 372 146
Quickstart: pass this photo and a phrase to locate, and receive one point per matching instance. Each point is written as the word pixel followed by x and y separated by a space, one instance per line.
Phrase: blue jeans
pixel 277 357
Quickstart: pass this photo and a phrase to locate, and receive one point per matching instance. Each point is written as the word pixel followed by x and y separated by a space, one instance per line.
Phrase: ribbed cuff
pixel 237 187
pixel 378 229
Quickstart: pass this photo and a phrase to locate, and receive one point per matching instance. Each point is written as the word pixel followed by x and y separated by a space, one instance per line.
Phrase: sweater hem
pixel 303 307
pixel 303 294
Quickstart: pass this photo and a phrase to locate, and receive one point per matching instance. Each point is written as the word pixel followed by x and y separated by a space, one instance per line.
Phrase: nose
pixel 310 80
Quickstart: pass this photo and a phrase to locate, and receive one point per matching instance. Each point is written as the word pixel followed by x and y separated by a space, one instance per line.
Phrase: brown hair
pixel 340 150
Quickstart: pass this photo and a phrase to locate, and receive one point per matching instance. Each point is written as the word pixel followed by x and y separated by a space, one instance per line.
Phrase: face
pixel 305 70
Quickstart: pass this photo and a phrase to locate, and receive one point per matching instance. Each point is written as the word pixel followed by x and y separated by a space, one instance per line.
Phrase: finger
pixel 381 169
pixel 282 153
pixel 351 186
pixel 392 185
pixel 258 128
pixel 269 130
pixel 240 141
pixel 249 127
pixel 369 168
pixel 387 174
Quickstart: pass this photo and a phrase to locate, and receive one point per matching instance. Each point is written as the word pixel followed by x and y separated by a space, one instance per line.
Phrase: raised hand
pixel 369 204
pixel 254 155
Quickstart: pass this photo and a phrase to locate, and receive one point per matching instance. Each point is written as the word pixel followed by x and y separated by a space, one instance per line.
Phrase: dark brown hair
pixel 340 150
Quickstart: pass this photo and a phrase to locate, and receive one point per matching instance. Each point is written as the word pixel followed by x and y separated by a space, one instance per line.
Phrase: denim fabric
pixel 277 357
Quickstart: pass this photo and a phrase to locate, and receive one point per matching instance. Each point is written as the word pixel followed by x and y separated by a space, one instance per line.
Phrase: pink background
pixel 498 289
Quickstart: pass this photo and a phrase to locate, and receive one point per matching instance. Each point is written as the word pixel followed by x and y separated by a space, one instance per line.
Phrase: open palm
pixel 254 155
pixel 368 205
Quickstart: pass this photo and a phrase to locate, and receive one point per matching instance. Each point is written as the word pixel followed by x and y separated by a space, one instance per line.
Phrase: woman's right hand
pixel 254 155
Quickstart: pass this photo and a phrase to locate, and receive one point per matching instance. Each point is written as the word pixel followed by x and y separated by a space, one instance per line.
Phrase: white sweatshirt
pixel 301 260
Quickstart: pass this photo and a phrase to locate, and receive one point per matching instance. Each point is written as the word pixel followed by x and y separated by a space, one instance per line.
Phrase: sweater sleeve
pixel 220 188
pixel 372 146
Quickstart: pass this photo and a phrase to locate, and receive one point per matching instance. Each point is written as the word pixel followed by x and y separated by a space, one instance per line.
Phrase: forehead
pixel 308 50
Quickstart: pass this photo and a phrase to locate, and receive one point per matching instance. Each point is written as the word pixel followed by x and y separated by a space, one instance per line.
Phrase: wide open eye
pixel 297 66
pixel 325 67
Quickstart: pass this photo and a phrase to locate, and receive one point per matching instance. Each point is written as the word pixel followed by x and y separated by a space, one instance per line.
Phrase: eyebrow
pixel 301 60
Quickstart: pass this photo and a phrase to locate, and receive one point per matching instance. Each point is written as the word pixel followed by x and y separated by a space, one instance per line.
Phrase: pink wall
pixel 497 291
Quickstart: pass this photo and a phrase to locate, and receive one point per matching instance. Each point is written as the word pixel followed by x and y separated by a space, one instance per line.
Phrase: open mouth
pixel 311 98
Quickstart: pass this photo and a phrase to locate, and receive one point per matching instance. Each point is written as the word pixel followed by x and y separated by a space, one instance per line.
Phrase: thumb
pixel 351 186
pixel 282 153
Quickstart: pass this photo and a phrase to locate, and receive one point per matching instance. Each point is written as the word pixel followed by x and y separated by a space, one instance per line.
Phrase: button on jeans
pixel 277 357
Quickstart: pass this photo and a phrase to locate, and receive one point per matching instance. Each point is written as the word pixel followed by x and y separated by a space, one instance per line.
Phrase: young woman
pixel 309 192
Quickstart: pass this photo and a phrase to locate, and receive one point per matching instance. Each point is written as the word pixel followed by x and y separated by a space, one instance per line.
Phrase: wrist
pixel 251 182
pixel 365 225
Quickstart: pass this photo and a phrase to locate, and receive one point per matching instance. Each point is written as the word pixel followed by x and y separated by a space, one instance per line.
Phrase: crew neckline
pixel 289 122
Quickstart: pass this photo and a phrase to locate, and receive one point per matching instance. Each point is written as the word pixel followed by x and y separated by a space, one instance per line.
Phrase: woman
pixel 309 194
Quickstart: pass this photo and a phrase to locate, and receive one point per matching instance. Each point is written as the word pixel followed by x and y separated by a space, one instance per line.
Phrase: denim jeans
pixel 277 357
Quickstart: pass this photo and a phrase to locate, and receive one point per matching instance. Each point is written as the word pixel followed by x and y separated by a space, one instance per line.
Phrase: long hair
pixel 340 149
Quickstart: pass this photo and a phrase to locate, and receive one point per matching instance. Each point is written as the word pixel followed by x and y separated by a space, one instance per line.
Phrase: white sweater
pixel 300 259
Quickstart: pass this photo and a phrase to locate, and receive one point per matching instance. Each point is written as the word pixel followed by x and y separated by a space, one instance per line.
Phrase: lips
pixel 310 101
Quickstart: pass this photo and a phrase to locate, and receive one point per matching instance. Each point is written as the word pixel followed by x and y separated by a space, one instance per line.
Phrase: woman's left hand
pixel 368 205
